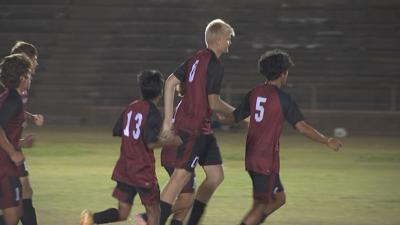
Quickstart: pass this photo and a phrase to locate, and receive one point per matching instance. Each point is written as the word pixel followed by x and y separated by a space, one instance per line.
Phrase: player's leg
pixel 212 165
pixel 168 195
pixel 181 208
pixel 263 188
pixel 254 215
pixel 153 214
pixel 150 198
pixel 10 200
pixel 29 212
pixel 124 194
pixel 185 163
pixel 11 216
pixel 184 201
pixel 277 201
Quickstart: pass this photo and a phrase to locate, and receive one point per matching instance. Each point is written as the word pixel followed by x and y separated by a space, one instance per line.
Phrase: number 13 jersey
pixel 141 122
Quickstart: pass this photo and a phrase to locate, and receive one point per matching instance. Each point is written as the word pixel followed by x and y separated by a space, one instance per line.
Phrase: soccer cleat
pixel 86 217
pixel 139 220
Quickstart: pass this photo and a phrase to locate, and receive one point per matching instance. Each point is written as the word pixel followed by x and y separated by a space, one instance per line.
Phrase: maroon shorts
pixel 126 193
pixel 190 186
pixel 265 186
pixel 201 148
pixel 10 192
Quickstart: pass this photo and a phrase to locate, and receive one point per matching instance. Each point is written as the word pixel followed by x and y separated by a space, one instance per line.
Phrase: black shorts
pixel 10 192
pixel 190 186
pixel 126 193
pixel 265 186
pixel 201 148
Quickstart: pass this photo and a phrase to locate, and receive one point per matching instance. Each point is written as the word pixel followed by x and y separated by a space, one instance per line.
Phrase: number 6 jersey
pixel 138 126
pixel 268 108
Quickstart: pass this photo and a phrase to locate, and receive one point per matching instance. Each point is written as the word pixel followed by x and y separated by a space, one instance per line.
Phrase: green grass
pixel 71 168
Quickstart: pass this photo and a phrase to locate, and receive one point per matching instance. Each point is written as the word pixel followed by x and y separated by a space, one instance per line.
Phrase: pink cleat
pixel 86 217
pixel 139 220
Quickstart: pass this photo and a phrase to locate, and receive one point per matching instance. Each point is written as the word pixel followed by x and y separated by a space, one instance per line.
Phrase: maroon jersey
pixel 11 120
pixel 141 122
pixel 202 74
pixel 268 108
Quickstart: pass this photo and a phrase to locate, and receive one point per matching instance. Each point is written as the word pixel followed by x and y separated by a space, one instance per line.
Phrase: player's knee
pixel 216 179
pixel 27 192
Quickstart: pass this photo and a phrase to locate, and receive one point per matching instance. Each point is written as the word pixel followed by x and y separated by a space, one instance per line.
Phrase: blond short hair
pixel 215 29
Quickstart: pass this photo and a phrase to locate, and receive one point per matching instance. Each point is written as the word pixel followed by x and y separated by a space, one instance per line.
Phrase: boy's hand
pixel 38 119
pixel 334 144
pixel 27 142
pixel 18 158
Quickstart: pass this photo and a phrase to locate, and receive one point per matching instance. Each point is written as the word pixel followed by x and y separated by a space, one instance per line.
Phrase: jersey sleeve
pixel 215 74
pixel 290 109
pixel 153 125
pixel 243 110
pixel 180 72
pixel 118 126
pixel 10 108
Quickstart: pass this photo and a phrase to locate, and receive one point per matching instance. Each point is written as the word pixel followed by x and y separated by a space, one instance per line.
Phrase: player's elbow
pixel 301 127
pixel 213 101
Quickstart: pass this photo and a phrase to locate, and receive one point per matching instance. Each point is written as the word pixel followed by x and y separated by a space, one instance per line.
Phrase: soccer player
pixel 134 172
pixel 184 200
pixel 202 75
pixel 268 107
pixel 29 213
pixel 15 77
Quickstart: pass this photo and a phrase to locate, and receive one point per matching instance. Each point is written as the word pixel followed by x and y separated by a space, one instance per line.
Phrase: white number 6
pixel 193 71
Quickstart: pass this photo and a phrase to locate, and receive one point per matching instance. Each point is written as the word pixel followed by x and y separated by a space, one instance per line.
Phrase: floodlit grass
pixel 71 169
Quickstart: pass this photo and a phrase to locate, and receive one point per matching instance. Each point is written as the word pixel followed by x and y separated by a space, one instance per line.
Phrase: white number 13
pixel 259 115
pixel 138 119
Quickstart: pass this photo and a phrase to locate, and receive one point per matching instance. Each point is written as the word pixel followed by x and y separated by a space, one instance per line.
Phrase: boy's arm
pixel 242 112
pixel 169 93
pixel 316 136
pixel 172 140
pixel 219 105
pixel 16 156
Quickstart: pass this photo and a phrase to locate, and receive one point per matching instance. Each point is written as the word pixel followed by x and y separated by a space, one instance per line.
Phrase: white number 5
pixel 259 115
pixel 138 119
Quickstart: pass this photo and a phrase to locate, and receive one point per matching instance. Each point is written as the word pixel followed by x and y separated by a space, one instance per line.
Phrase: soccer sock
pixel 176 222
pixel 197 212
pixel 2 220
pixel 106 216
pixel 29 213
pixel 165 212
pixel 263 218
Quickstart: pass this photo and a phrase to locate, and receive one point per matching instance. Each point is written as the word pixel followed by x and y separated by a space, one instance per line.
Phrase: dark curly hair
pixel 12 68
pixel 25 48
pixel 151 83
pixel 272 63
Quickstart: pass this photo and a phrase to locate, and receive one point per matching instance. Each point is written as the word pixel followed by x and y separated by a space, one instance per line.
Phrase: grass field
pixel 71 168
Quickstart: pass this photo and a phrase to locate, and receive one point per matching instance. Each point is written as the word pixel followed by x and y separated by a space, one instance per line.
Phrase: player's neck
pixel 277 83
pixel 215 50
